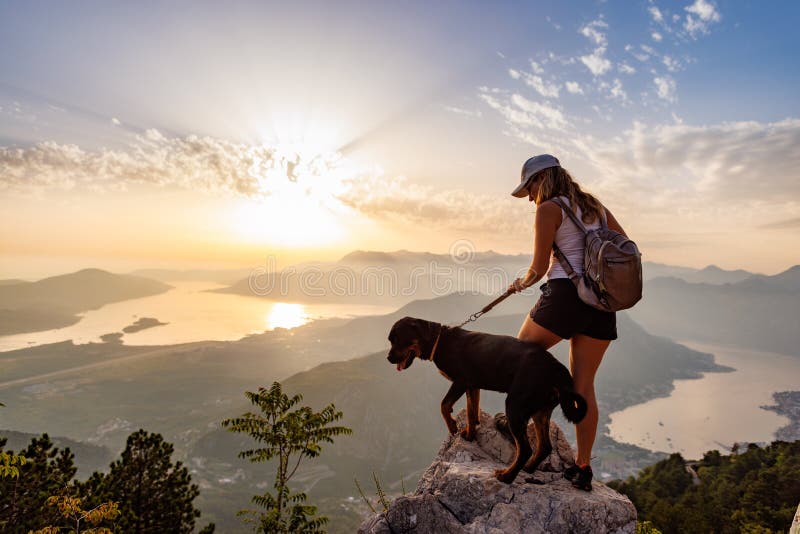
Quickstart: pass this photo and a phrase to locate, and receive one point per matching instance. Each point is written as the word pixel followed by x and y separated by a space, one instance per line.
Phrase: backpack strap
pixel 565 264
pixel 562 259
pixel 572 215
pixel 576 220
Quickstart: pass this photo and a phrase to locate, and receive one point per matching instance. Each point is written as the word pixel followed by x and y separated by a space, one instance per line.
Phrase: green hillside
pixel 753 491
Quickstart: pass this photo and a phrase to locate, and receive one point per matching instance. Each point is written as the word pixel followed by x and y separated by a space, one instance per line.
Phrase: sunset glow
pixel 285 315
pixel 323 139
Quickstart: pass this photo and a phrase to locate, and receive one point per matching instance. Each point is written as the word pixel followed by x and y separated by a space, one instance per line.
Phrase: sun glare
pixel 285 315
pixel 298 207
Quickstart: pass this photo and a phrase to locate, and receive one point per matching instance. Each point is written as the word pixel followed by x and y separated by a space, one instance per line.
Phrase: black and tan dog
pixel 535 381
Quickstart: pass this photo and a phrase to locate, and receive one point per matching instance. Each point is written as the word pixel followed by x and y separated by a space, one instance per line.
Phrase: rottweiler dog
pixel 533 379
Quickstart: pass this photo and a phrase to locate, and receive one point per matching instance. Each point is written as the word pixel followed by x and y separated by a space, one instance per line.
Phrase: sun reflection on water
pixel 286 315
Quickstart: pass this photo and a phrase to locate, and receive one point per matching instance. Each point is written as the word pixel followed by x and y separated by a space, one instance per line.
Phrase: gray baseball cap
pixel 531 167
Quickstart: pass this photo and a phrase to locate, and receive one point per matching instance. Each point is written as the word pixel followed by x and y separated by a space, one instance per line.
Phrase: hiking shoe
pixel 571 472
pixel 501 424
pixel 582 479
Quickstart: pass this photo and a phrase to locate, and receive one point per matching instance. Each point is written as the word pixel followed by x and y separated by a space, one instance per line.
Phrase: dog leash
pixel 472 317
pixel 488 307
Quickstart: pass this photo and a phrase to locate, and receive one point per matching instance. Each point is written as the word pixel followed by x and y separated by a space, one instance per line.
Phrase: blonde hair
pixel 556 182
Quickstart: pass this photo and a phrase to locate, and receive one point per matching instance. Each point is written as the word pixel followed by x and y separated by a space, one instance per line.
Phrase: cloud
pixel 400 201
pixel 665 88
pixel 203 164
pixel 574 88
pixel 466 112
pixel 617 91
pixel 713 169
pixel 657 37
pixel 217 166
pixel 551 116
pixel 701 14
pixel 656 14
pixel 626 69
pixel 593 33
pixel 547 90
pixel 555 25
pixel 115 121
pixel 520 111
pixel 672 64
pixel 635 53
pixel 596 62
pixel 544 88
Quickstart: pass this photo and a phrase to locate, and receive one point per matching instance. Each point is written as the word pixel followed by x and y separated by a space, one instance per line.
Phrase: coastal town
pixel 787 403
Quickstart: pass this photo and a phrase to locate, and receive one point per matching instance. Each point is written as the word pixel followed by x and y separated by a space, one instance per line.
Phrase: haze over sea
pixel 711 412
pixel 192 313
pixel 715 411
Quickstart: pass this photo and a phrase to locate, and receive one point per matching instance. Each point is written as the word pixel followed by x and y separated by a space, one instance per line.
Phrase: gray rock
pixel 459 493
pixel 795 528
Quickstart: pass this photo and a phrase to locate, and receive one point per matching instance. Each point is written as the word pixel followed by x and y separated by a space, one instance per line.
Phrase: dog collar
pixel 436 343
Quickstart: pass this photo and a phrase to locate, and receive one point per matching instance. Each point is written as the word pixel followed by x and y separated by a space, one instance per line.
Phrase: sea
pixel 192 313
pixel 715 411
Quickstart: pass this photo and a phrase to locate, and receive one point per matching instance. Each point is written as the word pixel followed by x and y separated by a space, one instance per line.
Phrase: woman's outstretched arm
pixel 548 218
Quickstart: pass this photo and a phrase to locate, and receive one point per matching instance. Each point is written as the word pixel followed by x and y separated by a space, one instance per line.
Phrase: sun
pixel 298 206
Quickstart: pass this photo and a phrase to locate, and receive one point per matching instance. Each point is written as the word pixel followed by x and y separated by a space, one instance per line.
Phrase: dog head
pixel 408 336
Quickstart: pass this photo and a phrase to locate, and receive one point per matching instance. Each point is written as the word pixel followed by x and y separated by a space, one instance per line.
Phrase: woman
pixel 559 313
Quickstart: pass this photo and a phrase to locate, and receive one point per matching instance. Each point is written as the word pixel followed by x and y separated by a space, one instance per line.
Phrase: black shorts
pixel 561 311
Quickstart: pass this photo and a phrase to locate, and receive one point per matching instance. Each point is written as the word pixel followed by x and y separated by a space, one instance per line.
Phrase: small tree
pixel 9 463
pixel 71 510
pixel 47 471
pixel 284 432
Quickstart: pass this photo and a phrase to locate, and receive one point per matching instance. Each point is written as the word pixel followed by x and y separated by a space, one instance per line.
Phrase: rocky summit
pixel 459 493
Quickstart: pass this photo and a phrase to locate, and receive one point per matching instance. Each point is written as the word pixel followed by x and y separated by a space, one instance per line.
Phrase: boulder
pixel 459 493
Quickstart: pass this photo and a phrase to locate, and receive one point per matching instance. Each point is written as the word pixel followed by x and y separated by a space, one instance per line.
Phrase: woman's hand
pixel 520 284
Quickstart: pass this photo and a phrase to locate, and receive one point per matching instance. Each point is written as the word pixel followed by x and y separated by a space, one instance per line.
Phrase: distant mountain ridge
pixel 89 458
pixel 397 277
pixel 759 312
pixel 54 302
pixel 221 276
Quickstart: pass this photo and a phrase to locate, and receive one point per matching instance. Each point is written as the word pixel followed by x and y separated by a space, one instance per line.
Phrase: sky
pixel 209 134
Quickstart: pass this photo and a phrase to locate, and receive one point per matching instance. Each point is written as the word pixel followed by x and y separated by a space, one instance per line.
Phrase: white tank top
pixel 571 240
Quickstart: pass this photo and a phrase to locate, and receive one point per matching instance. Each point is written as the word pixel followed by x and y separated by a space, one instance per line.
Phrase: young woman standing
pixel 560 313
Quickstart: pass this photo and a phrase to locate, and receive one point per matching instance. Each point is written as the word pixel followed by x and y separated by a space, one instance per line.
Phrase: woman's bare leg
pixel 585 355
pixel 530 331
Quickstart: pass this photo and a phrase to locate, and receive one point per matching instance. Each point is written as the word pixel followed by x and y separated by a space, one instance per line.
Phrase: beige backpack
pixel 612 267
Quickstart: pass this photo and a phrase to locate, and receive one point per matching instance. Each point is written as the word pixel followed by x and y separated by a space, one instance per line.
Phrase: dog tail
pixel 572 404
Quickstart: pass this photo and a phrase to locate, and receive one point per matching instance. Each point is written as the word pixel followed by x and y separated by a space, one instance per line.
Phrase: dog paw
pixel 452 427
pixel 468 434
pixel 503 476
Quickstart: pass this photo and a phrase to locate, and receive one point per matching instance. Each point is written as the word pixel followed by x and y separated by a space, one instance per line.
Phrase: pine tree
pixel 154 495
pixel 47 471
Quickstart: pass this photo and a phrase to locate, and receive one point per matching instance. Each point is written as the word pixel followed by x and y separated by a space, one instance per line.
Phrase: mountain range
pixel 758 312
pixel 54 302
